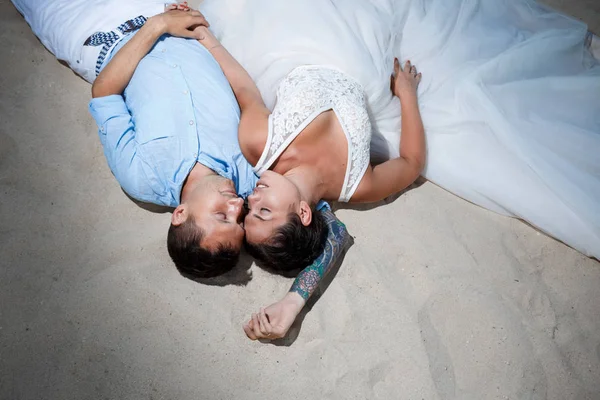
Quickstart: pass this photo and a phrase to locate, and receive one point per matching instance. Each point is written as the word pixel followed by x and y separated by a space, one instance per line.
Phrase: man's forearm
pixel 115 77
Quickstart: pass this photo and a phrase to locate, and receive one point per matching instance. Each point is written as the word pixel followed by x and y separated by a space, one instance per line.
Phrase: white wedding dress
pixel 510 97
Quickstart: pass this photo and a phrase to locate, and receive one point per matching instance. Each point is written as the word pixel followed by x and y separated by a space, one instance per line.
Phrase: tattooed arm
pixel 275 321
pixel 308 280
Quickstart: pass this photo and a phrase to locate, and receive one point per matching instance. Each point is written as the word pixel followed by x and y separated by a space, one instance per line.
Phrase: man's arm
pixel 115 123
pixel 115 77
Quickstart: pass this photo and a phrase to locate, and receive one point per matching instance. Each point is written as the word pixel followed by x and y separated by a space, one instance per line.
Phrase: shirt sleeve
pixel 117 135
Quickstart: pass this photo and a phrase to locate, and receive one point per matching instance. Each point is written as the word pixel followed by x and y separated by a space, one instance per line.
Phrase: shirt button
pixel 174 65
pixel 185 92
pixel 191 122
pixel 164 50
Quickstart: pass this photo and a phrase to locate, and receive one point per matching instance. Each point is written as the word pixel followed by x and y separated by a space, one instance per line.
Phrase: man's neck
pixel 193 179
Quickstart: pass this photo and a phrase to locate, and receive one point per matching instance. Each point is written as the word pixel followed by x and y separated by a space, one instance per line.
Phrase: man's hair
pixel 293 246
pixel 191 259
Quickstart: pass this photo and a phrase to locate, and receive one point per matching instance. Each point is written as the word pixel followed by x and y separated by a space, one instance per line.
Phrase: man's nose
pixel 235 205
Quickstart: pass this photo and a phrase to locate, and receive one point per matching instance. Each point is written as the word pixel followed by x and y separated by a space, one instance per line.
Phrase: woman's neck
pixel 309 182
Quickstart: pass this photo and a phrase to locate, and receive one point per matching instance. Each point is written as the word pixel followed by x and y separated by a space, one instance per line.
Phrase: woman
pixel 315 145
pixel 510 96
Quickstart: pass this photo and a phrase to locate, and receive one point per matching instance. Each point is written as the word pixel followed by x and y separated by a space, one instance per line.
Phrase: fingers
pixel 183 6
pixel 177 6
pixel 265 323
pixel 256 326
pixel 259 326
pixel 262 324
pixel 396 67
pixel 248 330
pixel 192 34
pixel 197 19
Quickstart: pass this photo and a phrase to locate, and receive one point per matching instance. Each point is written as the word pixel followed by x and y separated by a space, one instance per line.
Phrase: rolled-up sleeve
pixel 117 135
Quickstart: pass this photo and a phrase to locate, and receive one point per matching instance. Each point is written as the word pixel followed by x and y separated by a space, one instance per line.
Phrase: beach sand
pixel 436 298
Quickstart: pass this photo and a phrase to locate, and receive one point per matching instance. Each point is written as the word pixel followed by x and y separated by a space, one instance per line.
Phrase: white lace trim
pixel 303 95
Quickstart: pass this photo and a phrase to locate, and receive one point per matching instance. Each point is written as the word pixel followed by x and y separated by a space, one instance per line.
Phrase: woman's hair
pixel 293 246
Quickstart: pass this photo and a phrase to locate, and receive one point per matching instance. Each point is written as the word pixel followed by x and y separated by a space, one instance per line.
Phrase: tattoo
pixel 308 280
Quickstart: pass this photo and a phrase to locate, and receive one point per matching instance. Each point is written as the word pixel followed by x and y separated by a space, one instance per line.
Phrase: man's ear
pixel 305 213
pixel 180 215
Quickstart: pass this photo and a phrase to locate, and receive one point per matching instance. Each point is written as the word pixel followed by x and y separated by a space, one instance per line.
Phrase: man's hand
pixel 180 22
pixel 274 321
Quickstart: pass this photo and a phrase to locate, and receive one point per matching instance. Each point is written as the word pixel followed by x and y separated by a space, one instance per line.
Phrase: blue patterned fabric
pixel 108 39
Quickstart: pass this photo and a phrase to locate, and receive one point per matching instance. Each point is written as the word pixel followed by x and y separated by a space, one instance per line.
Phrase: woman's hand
pixel 206 38
pixel 275 321
pixel 183 6
pixel 406 80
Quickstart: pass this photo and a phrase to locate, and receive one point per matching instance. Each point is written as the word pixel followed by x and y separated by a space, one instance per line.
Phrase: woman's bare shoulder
pixel 253 132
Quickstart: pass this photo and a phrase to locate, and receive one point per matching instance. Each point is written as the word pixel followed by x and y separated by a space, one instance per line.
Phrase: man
pixel 168 123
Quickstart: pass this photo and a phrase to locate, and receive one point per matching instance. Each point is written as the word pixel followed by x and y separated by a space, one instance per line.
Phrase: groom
pixel 168 120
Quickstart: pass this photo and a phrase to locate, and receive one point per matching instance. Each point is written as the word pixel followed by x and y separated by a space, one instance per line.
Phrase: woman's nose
pixel 252 199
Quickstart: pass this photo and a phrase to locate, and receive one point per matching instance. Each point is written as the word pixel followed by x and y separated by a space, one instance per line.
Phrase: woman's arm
pixel 394 175
pixel 253 129
pixel 244 88
pixel 275 321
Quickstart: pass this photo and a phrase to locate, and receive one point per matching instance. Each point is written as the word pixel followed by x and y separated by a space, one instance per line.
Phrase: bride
pixel 313 146
pixel 510 97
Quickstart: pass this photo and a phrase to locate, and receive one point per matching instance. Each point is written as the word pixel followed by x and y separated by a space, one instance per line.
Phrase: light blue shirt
pixel 178 109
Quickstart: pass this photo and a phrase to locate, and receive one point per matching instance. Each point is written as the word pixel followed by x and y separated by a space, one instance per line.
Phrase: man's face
pixel 217 209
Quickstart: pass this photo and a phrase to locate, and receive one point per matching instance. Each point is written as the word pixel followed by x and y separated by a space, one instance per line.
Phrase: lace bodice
pixel 303 95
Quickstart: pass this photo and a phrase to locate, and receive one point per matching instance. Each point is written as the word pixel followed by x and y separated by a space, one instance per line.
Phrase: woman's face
pixel 274 197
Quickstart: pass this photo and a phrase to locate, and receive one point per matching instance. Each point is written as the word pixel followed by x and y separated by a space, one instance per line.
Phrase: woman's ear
pixel 179 215
pixel 305 213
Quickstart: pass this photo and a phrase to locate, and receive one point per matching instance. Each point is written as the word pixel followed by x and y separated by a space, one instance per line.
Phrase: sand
pixel 436 299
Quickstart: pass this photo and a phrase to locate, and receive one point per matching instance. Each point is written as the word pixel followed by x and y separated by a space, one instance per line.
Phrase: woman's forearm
pixel 243 86
pixel 412 140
